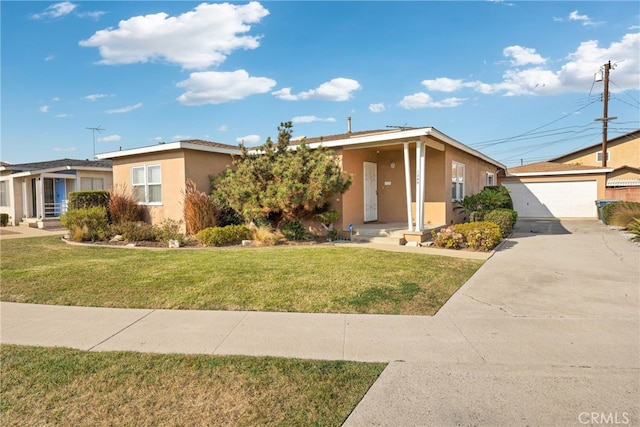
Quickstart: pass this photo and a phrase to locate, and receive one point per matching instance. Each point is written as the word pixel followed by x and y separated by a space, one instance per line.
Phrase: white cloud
pixel 213 87
pixel 248 140
pixel 377 108
pixel 424 100
pixel 63 149
pixel 49 58
pixel 198 39
pixel 523 55
pixel 109 138
pixel 56 10
pixel 126 109
pixel 61 116
pixel 443 84
pixel 96 96
pixel 575 16
pixel 534 76
pixel 222 128
pixel 44 109
pixel 181 137
pixel 338 89
pixel 311 119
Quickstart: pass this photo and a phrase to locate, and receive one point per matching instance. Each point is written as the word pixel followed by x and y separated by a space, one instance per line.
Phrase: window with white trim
pixel 490 179
pixel 91 184
pixel 146 183
pixel 4 193
pixel 599 156
pixel 457 181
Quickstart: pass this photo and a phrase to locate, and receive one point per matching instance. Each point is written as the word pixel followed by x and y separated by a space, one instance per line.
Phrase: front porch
pixel 395 233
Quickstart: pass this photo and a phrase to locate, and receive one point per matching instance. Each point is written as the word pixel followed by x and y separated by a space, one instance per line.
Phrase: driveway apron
pixel 553 320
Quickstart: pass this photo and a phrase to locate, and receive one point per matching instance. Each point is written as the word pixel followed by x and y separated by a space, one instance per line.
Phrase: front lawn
pixel 312 279
pixel 57 386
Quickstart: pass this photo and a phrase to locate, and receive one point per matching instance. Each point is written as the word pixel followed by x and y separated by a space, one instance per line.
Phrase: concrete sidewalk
pixel 544 333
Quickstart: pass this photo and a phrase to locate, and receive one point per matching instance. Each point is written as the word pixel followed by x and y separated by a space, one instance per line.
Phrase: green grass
pixel 301 279
pixel 57 386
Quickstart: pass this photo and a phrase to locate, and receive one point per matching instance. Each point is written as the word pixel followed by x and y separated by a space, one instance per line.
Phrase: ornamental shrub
pixel 294 230
pixel 123 207
pixel 504 218
pixel 482 235
pixel 170 229
pixel 634 228
pixel 622 213
pixel 447 238
pixel 222 236
pixel 86 224
pixel 136 231
pixel 88 199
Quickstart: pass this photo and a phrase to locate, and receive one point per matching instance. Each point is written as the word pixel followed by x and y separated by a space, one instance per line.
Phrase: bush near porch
pixel 480 236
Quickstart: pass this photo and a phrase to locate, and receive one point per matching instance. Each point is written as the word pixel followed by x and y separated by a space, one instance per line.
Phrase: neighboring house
pixel 157 174
pixel 37 193
pixel 569 186
pixel 395 173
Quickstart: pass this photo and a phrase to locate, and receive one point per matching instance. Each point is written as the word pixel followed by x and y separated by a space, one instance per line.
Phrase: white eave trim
pixel 402 136
pixel 167 147
pixel 62 168
pixel 554 173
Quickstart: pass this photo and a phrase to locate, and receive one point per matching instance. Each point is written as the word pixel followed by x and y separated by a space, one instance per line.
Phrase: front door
pixel 370 191
pixel 49 198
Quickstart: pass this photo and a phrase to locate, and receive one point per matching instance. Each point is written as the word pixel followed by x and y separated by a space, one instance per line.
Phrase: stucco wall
pixel 626 153
pixel 172 169
pixel 475 179
pixel 201 165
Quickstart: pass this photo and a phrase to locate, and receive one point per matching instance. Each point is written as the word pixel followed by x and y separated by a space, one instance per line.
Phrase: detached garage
pixel 552 190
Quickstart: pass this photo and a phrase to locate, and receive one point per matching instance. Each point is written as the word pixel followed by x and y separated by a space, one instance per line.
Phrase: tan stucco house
pixel 410 177
pixel 569 186
pixel 37 193
pixel 157 174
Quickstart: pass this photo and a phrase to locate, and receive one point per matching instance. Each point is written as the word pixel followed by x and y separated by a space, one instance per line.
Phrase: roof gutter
pixel 554 173
pixel 404 135
pixel 167 147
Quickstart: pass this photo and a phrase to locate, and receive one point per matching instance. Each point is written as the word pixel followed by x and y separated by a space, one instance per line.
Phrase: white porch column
pixel 419 203
pixel 40 198
pixel 423 178
pixel 25 205
pixel 407 184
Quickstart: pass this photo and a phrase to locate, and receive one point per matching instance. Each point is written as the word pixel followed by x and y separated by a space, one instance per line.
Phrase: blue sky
pixel 512 79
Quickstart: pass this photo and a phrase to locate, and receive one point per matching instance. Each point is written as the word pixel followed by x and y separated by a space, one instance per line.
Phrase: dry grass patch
pixel 57 386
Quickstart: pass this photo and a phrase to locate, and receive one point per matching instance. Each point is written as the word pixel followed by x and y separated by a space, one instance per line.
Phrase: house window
pixel 599 156
pixel 4 193
pixel 91 184
pixel 146 182
pixel 489 179
pixel 457 181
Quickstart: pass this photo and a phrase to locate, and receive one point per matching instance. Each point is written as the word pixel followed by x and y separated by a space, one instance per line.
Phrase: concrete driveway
pixel 553 327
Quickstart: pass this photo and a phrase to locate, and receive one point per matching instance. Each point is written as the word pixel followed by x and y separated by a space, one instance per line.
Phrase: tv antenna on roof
pixel 403 127
pixel 93 131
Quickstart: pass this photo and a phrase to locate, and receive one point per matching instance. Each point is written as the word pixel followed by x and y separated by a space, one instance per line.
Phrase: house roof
pixel 551 168
pixel 57 164
pixel 613 141
pixel 193 144
pixel 373 138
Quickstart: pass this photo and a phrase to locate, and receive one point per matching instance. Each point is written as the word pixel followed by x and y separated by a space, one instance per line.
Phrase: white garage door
pixel 566 199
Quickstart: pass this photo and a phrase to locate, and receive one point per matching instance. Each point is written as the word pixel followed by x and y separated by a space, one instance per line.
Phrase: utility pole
pixel 93 131
pixel 605 114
